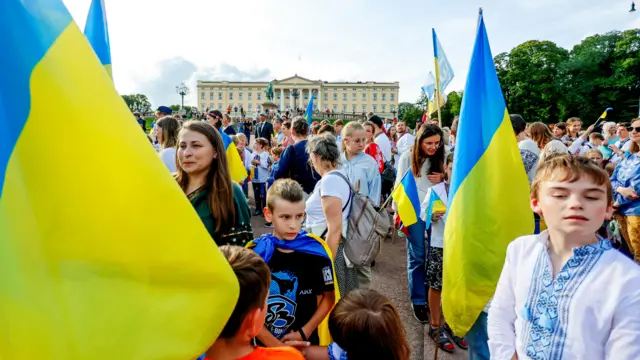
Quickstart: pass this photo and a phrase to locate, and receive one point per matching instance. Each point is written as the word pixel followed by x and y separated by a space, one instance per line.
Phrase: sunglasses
pixel 636 129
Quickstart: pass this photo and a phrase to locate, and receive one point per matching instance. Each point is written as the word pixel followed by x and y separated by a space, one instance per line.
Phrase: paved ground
pixel 390 278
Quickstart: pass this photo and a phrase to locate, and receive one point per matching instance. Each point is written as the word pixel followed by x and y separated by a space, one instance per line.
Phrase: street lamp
pixel 182 90
pixel 393 111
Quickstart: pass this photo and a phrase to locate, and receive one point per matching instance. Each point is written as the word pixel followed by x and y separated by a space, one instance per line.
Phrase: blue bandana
pixel 266 244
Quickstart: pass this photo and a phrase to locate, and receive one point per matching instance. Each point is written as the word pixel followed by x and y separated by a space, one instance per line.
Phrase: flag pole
pixel 437 93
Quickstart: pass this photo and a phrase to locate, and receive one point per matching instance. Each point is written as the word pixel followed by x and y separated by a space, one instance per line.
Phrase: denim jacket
pixel 627 174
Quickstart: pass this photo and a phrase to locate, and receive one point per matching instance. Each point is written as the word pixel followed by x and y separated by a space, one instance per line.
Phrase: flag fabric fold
pixel 309 113
pixel 83 276
pixel 489 194
pixel 97 32
pixel 444 71
pixel 236 166
pixel 405 195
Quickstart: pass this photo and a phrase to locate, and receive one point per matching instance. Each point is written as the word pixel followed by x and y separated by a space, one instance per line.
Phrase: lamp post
pixel 393 111
pixel 182 90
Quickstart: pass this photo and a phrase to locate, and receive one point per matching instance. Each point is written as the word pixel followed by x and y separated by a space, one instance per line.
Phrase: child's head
pixel 276 152
pixel 285 208
pixel 594 155
pixel 366 325
pixel 448 167
pixel 260 144
pixel 596 139
pixel 609 168
pixel 572 194
pixel 353 138
pixel 254 278
pixel 574 125
pixel 243 140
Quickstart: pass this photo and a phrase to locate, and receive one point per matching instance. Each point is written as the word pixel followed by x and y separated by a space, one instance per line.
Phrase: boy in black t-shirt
pixel 302 289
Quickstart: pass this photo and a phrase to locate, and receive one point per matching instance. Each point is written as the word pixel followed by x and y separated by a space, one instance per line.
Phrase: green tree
pixel 402 109
pixel 529 79
pixel 452 108
pixel 138 102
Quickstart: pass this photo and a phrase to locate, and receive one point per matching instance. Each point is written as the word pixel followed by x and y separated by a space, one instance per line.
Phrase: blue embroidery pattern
pixel 546 311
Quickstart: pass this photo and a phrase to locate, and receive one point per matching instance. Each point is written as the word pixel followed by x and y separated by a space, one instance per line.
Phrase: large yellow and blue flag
pixel 405 195
pixel 236 166
pixel 83 274
pixel 309 113
pixel 97 31
pixel 444 71
pixel 489 194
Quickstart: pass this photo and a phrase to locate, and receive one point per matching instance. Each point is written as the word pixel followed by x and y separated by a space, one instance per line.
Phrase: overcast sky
pixel 155 45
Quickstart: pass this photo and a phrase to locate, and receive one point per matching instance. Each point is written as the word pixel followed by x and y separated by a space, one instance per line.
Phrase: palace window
pixel 375 108
pixel 335 97
pixel 211 95
pixel 384 108
pixel 230 96
pixel 326 97
pixel 259 96
pixel 250 106
pixel 202 96
pixel 344 97
pixel 249 96
pixel 364 96
pixel 375 97
pixel 220 95
pixel 392 97
pixel 384 97
pixel 354 97
pixel 364 108
pixel 239 96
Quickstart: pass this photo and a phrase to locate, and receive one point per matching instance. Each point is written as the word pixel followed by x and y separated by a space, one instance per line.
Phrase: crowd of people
pixel 302 297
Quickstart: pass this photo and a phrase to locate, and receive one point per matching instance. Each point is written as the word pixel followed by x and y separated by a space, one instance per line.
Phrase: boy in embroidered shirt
pixel 302 290
pixel 565 293
pixel 247 319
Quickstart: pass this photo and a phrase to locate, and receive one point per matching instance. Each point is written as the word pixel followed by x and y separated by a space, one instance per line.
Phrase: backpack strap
pixel 351 191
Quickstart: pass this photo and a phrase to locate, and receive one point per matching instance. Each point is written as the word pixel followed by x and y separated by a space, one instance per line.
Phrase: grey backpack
pixel 367 228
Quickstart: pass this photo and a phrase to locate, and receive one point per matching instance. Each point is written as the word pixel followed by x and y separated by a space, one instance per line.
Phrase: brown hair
pixel 286 124
pixel 170 128
pixel 325 146
pixel 418 158
pixel 338 123
pixel 285 189
pixel 570 122
pixel 609 168
pixel 277 151
pixel 348 131
pixel 594 136
pixel 254 278
pixel 263 142
pixel 218 182
pixel 569 168
pixel 367 326
pixel 327 128
pixel 540 134
pixel 634 145
pixel 300 126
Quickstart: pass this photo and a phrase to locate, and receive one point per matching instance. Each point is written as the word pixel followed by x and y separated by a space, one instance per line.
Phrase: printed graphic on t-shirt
pixel 281 308
pixel 327 275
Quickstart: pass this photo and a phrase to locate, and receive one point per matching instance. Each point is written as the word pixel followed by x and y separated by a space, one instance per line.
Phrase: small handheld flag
pixel 406 197
pixel 309 113
pixel 435 204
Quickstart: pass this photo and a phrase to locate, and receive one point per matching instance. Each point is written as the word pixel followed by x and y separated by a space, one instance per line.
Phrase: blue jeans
pixel 416 263
pixel 477 338
pixel 259 194
pixel 245 188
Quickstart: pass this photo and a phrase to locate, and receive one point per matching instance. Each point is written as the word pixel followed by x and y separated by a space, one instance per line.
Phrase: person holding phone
pixel 426 161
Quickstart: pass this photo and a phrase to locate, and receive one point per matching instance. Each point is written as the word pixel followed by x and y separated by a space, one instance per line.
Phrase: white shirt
pixel 530 152
pixel 328 185
pixel 437 227
pixel 262 170
pixel 168 156
pixel 405 143
pixel 590 311
pixel 384 144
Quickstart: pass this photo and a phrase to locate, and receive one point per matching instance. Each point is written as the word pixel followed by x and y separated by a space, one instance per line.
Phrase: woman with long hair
pixel 625 182
pixel 203 174
pixel 426 162
pixel 167 136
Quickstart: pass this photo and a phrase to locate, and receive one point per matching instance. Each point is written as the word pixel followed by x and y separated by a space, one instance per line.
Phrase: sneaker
pixel 442 341
pixel 268 225
pixel 461 342
pixel 421 313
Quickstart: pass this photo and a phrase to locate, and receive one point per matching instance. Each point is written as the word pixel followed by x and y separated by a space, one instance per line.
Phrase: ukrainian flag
pixel 604 114
pixel 309 113
pixel 236 166
pixel 406 198
pixel 97 31
pixel 489 194
pixel 434 204
pixel 91 267
pixel 444 71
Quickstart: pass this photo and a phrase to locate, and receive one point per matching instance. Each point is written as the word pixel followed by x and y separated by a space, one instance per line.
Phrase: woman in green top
pixel 203 174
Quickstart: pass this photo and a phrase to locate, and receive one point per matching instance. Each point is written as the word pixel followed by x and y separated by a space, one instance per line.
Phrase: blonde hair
pixel 569 168
pixel 285 189
pixel 592 151
pixel 242 137
pixel 348 130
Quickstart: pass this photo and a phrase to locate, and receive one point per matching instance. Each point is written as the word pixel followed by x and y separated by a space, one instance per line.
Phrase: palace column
pixel 301 98
pixel 282 99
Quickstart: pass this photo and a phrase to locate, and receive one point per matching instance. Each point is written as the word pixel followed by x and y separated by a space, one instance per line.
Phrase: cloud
pixel 160 87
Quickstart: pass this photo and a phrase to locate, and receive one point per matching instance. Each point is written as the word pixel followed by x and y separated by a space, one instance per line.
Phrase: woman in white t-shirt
pixel 168 128
pixel 329 204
